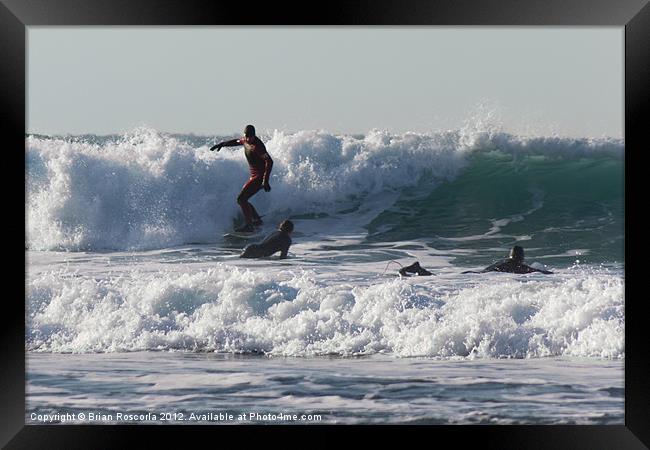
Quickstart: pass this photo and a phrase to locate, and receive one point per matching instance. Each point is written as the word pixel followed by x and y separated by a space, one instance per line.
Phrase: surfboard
pixel 245 236
pixel 258 233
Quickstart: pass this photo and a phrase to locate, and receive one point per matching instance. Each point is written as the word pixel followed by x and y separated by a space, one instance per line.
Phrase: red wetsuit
pixel 260 164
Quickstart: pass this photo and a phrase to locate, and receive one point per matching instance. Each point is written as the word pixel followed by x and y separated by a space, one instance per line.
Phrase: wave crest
pixel 147 189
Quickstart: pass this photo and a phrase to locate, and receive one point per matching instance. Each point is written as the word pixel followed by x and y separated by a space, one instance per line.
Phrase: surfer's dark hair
pixel 287 226
pixel 250 129
pixel 517 253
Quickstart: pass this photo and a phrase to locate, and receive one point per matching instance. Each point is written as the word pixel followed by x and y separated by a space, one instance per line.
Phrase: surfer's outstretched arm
pixel 230 143
pixel 500 266
pixel 492 268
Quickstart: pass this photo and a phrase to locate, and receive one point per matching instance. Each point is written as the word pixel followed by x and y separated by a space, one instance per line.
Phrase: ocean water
pixel 136 303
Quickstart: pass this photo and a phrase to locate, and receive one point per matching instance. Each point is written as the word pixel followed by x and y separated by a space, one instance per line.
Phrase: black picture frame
pixel 634 15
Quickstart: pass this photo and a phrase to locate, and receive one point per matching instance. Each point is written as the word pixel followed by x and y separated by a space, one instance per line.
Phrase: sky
pixel 215 80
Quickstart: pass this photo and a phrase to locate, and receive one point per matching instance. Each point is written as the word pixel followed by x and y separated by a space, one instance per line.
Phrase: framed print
pixel 366 214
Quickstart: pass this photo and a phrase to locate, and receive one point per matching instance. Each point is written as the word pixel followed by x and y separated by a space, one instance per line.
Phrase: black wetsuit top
pixel 278 241
pixel 259 161
pixel 511 266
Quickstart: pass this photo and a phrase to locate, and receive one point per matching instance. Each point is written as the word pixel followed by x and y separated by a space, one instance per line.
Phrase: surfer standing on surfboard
pixel 260 164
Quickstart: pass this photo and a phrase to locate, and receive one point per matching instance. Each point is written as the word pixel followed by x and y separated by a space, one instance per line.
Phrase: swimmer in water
pixel 415 269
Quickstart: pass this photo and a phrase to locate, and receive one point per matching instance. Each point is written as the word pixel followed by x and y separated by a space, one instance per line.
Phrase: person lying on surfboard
pixel 514 264
pixel 260 164
pixel 278 241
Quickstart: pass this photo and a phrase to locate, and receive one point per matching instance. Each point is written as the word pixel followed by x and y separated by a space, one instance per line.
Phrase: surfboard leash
pixel 389 265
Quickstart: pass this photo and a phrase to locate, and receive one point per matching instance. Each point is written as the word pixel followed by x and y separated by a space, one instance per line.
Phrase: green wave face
pixel 567 209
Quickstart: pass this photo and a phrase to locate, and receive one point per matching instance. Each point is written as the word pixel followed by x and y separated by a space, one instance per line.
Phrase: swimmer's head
pixel 286 226
pixel 517 253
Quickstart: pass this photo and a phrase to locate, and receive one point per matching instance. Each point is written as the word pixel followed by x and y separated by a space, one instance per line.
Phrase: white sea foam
pixel 297 313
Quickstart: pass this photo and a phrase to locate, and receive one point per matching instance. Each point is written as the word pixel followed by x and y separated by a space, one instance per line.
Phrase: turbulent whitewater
pixel 125 248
